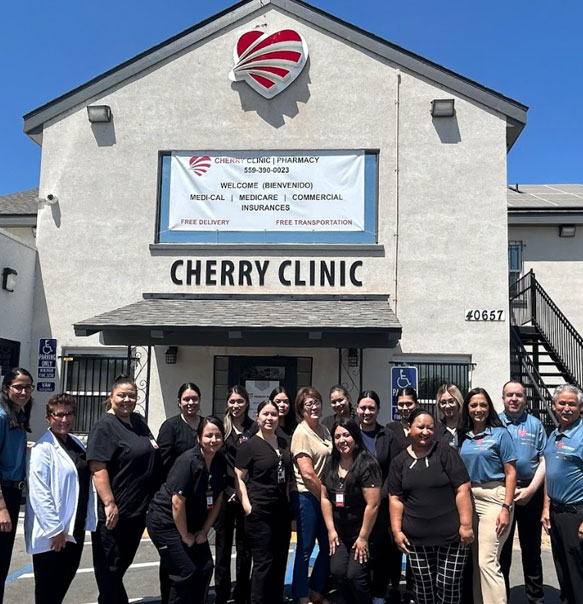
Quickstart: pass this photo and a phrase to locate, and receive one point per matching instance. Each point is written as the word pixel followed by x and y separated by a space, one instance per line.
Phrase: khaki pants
pixel 489 587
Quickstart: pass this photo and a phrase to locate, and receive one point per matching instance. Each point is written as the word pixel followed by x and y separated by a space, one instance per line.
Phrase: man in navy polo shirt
pixel 530 440
pixel 563 510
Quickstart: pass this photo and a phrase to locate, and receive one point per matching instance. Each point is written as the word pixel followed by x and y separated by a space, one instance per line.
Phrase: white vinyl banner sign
pixel 267 191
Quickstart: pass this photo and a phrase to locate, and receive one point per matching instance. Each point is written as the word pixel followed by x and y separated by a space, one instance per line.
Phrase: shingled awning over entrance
pixel 341 321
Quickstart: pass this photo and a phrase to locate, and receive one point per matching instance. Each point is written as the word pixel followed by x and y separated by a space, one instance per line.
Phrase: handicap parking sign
pixel 401 377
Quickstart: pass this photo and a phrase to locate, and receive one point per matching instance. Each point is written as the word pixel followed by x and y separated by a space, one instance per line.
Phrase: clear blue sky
pixel 529 50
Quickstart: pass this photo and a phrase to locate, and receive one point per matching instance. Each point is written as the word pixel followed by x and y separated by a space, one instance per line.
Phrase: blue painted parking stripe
pixel 20 571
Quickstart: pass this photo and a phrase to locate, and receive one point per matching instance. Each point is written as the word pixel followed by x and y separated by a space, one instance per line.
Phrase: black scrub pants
pixel 189 568
pixel 113 553
pixel 12 497
pixel 55 571
pixel 352 578
pixel 269 536
pixel 231 518
pixel 568 550
pixel 381 553
pixel 527 517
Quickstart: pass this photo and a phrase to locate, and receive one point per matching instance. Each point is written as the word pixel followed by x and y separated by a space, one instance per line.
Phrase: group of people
pixel 443 490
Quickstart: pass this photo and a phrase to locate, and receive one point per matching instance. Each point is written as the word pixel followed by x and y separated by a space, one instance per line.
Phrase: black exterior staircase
pixel 545 349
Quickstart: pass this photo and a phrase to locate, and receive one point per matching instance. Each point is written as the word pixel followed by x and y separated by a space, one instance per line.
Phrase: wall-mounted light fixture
pixel 171 355
pixel 99 113
pixel 443 108
pixel 9 279
pixel 352 357
pixel 567 230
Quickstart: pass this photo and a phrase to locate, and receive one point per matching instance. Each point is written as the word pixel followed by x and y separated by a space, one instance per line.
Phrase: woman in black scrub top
pixel 124 459
pixel 183 511
pixel 341 405
pixel 239 428
pixel 381 444
pixel 178 434
pixel 351 494
pixel 262 471
pixel 287 421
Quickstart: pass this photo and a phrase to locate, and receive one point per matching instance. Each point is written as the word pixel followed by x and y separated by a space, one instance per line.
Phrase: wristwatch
pixel 508 507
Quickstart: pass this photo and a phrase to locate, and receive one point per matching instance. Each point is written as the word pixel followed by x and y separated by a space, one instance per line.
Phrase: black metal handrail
pixel 530 303
pixel 541 398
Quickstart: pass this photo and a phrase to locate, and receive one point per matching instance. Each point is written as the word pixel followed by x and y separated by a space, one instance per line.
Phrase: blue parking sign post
pixel 401 377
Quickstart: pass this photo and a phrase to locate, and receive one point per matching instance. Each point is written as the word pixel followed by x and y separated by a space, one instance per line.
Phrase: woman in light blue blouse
pixel 488 451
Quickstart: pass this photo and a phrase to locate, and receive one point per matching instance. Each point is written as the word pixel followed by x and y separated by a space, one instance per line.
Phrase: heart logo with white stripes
pixel 269 63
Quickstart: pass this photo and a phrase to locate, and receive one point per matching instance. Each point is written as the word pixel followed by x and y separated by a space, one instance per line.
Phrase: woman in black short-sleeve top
pixel 124 459
pixel 431 512
pixel 178 433
pixel 263 469
pixel 351 492
pixel 183 511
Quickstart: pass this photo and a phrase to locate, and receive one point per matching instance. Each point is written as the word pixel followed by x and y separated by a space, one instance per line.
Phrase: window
pixel 9 355
pixel 515 264
pixel 89 378
pixel 432 373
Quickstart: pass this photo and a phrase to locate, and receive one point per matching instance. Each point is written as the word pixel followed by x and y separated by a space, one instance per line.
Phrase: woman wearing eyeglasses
pixel 448 410
pixel 125 461
pixel 15 406
pixel 311 447
pixel 61 504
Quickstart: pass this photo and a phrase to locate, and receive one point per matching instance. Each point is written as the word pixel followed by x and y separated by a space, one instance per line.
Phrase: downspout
pixel 397 199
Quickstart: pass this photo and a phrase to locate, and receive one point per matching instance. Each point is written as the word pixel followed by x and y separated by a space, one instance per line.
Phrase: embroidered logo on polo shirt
pixel 269 63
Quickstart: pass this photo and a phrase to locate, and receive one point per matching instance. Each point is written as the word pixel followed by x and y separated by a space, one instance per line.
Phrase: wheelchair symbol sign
pixel 47 348
pixel 401 377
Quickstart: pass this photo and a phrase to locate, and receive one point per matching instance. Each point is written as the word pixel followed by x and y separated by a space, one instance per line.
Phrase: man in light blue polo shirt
pixel 530 439
pixel 563 510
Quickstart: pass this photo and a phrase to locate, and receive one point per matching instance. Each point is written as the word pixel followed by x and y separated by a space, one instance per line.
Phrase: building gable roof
pixel 23 203
pixel 514 111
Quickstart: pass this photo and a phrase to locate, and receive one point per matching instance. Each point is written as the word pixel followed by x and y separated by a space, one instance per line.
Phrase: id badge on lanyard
pixel 243 439
pixel 280 471
pixel 339 495
pixel 210 500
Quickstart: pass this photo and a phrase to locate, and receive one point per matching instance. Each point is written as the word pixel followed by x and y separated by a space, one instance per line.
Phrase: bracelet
pixel 507 507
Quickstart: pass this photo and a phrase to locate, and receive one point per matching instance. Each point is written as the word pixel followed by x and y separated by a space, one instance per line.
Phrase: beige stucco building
pixel 318 306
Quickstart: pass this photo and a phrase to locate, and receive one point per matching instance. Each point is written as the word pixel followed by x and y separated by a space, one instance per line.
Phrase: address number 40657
pixel 479 314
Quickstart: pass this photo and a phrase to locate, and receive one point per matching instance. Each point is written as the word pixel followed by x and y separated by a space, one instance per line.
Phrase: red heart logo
pixel 522 432
pixel 199 165
pixel 269 63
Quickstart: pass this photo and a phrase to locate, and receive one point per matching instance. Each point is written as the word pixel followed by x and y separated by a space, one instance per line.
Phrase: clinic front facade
pixel 429 231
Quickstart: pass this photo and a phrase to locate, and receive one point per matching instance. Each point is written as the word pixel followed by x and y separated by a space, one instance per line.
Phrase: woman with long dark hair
pixel 15 407
pixel 263 471
pixel 178 433
pixel 341 405
pixel 239 428
pixel 351 493
pixel 382 445
pixel 287 421
pixel 183 511
pixel 488 452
